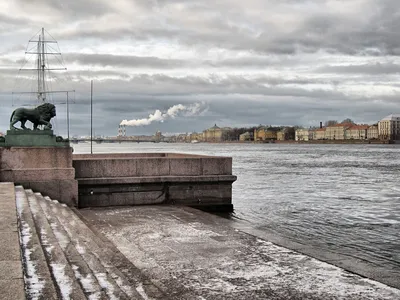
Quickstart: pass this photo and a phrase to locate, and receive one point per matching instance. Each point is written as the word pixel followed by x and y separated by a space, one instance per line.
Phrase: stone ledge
pixel 18 175
pixel 155 179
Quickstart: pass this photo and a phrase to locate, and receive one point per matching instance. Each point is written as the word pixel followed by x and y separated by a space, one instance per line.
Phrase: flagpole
pixel 91 117
pixel 68 115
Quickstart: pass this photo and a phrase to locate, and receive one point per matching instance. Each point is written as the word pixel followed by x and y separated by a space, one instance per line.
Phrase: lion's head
pixel 47 111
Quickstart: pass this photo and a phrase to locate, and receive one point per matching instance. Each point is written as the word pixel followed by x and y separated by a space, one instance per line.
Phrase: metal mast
pixel 41 50
pixel 41 67
pixel 43 94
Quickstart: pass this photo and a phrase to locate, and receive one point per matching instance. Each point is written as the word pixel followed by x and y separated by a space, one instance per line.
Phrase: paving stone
pixel 12 289
pixel 9 246
pixel 10 270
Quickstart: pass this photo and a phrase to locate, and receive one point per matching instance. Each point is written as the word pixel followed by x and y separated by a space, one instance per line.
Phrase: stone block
pixel 213 191
pixel 65 191
pixel 150 197
pixel 135 188
pixel 152 167
pixel 39 174
pixel 119 199
pixel 47 170
pixel 180 195
pixel 94 200
pixel 185 166
pixel 35 158
pixel 217 166
pixel 104 168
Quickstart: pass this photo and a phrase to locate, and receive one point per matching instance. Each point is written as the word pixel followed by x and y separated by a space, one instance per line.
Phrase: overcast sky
pixel 288 62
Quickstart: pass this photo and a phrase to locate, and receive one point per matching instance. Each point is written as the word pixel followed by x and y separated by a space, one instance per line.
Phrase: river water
pixel 342 198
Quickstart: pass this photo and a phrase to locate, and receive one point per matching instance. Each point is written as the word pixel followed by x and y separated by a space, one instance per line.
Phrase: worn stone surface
pixel 65 191
pixel 10 269
pixel 193 255
pixel 44 169
pixel 129 165
pixel 39 174
pixel 60 269
pixel 12 289
pixel 47 157
pixel 38 280
pixel 11 278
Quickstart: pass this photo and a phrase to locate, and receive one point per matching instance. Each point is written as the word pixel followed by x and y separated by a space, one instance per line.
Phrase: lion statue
pixel 40 115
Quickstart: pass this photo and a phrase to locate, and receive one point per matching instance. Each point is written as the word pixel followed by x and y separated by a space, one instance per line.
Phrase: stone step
pixel 144 285
pixel 82 271
pixel 98 257
pixel 62 272
pixel 38 280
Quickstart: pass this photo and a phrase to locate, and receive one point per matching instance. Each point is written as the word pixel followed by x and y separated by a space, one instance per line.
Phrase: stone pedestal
pixel 32 138
pixel 47 170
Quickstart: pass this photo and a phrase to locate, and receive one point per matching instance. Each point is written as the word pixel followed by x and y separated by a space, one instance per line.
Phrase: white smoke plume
pixel 171 113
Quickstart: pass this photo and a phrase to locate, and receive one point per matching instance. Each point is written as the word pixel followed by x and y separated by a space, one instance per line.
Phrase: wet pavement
pixel 189 254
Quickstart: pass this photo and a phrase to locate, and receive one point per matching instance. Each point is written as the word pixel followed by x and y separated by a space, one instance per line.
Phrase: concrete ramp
pixel 190 254
pixel 64 259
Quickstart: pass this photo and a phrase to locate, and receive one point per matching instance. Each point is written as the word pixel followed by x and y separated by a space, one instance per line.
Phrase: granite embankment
pixel 153 252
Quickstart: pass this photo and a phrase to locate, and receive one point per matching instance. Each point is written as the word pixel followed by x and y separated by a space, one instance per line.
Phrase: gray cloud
pixel 270 62
pixel 377 68
pixel 126 61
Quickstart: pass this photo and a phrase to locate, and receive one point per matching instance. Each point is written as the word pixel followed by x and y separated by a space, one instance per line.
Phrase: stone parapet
pixel 152 166
pixel 155 178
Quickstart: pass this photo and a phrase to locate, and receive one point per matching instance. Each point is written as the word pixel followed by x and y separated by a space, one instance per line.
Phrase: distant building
pixel 303 134
pixel 266 133
pixel 259 133
pixel 337 131
pixel 194 136
pixel 158 137
pixel 247 136
pixel 183 138
pixel 372 132
pixel 319 134
pixel 286 134
pixel 215 134
pixel 1 134
pixel 356 132
pixel 389 127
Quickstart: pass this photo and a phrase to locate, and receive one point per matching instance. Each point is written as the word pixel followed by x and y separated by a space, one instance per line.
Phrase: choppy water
pixel 345 198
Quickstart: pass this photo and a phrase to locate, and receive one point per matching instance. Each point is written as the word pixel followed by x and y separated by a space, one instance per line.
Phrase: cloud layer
pixel 253 62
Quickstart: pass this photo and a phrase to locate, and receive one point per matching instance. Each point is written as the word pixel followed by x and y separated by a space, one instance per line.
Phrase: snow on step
pixel 82 272
pixel 60 268
pixel 38 281
pixel 109 278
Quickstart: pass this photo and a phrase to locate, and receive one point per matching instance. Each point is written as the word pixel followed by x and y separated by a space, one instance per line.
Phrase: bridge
pixel 117 140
